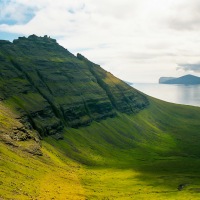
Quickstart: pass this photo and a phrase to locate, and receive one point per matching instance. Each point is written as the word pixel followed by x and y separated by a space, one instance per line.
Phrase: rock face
pixel 51 88
pixel 15 134
pixel 186 80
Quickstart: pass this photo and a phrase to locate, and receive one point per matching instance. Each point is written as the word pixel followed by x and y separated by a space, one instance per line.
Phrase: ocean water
pixel 181 94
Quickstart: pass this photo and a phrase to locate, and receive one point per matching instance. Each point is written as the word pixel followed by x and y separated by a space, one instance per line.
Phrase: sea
pixel 180 94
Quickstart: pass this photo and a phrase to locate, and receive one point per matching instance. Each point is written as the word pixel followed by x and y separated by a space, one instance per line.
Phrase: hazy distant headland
pixel 187 80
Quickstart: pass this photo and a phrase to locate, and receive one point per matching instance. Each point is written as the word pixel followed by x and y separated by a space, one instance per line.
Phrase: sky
pixel 136 40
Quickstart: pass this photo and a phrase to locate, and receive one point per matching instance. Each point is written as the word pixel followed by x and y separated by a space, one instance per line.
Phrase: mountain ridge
pixel 71 91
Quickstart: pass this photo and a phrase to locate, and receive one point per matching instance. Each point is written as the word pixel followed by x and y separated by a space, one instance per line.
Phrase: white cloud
pixel 136 40
pixel 190 67
pixel 13 11
pixel 185 16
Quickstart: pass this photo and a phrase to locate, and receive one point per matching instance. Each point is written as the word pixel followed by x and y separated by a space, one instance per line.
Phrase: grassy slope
pixel 142 156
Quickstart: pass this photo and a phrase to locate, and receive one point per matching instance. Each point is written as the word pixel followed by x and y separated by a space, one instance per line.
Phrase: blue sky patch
pixel 9 36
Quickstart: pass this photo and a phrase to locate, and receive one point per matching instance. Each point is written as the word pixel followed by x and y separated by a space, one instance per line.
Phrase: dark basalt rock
pixel 182 186
pixel 51 88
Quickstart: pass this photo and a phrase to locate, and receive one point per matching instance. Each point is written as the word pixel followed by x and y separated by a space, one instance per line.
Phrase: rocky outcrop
pixel 16 134
pixel 51 88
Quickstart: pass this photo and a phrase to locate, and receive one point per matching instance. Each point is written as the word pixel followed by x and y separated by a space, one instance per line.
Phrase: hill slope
pixel 133 147
pixel 144 156
pixel 51 88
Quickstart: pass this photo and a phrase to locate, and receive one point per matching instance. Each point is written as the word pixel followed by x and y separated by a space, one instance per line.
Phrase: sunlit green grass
pixel 142 156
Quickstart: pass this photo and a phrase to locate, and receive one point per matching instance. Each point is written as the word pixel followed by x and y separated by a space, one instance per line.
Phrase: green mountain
pixel 71 130
pixel 47 84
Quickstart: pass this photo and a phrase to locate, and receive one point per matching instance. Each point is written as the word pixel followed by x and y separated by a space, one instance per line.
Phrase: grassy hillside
pixel 144 156
pixel 71 130
pixel 51 88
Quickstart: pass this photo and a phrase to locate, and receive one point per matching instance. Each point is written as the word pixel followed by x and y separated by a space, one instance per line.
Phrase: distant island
pixel 186 80
pixel 129 83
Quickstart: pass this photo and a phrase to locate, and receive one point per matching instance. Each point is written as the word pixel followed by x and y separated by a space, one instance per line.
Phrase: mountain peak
pixel 35 38
pixel 189 75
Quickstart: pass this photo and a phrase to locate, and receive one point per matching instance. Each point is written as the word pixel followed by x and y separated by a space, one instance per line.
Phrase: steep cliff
pixel 52 89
